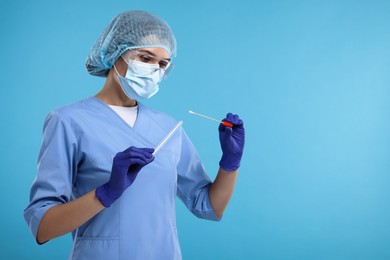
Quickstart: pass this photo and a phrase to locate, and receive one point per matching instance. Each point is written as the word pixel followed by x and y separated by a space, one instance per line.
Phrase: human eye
pixel 145 58
pixel 163 64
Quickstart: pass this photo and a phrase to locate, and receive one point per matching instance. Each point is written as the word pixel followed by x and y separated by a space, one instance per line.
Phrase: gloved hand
pixel 125 168
pixel 232 141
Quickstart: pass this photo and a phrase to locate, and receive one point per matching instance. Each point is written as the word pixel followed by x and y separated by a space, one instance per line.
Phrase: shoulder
pixel 71 111
pixel 70 115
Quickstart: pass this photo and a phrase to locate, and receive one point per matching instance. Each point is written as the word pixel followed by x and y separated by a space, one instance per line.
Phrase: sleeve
pixel 193 183
pixel 56 167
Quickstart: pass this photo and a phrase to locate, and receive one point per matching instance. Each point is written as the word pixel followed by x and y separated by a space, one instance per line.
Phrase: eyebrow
pixel 152 54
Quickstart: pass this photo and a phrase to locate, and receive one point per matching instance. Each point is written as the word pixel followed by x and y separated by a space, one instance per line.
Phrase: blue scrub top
pixel 79 144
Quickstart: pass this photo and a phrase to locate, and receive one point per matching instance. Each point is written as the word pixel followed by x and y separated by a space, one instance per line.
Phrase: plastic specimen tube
pixel 161 144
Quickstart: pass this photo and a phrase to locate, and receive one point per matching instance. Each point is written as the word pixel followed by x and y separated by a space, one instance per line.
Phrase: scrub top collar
pixel 109 112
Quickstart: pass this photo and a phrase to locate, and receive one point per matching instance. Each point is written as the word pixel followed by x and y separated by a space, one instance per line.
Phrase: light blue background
pixel 311 79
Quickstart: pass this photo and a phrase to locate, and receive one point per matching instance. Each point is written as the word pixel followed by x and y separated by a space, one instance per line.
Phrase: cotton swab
pixel 227 124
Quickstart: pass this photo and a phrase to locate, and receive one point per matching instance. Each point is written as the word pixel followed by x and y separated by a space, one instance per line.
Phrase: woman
pixel 97 175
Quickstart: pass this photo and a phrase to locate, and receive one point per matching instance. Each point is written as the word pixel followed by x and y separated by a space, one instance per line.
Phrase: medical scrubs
pixel 79 143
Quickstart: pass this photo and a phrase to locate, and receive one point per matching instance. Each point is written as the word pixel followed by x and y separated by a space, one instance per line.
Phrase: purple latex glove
pixel 232 142
pixel 125 168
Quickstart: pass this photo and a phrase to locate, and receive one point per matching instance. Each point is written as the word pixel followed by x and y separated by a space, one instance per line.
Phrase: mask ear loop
pixel 117 73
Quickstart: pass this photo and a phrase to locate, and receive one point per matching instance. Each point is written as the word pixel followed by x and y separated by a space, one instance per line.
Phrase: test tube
pixel 161 144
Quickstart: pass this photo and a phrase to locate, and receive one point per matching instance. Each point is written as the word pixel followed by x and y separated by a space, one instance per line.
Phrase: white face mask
pixel 141 80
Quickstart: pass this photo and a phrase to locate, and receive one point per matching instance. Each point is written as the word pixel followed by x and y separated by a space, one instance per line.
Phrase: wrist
pixel 229 163
pixel 103 196
pixel 226 172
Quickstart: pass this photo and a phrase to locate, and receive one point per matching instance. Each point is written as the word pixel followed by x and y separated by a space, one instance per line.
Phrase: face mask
pixel 141 80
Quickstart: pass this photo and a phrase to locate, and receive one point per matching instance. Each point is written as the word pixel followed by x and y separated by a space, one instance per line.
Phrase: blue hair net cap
pixel 129 30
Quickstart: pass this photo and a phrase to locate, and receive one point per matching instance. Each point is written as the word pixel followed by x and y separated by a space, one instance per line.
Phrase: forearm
pixel 221 190
pixel 64 218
